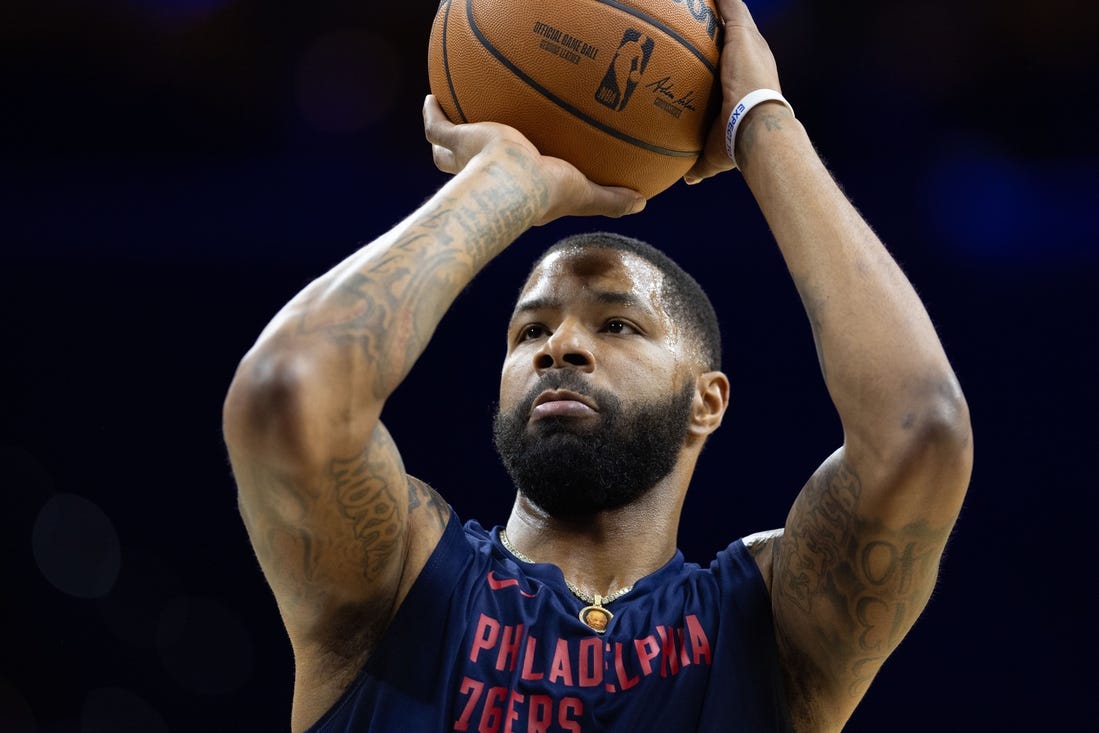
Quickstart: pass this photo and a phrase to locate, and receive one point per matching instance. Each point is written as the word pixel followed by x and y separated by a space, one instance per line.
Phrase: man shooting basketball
pixel 580 614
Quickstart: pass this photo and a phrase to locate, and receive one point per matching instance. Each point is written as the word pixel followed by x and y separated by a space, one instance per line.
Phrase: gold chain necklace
pixel 593 614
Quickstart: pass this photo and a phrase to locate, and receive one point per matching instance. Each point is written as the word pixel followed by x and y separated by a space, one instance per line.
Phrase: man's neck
pixel 604 552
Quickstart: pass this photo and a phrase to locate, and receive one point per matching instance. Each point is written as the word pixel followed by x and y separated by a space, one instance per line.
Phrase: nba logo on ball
pixel 625 90
pixel 626 69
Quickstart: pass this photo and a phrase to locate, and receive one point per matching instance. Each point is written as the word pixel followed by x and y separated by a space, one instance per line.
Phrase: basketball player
pixel 580 614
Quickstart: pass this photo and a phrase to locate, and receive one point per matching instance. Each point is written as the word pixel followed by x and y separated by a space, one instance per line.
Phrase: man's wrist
pixel 770 116
pixel 743 109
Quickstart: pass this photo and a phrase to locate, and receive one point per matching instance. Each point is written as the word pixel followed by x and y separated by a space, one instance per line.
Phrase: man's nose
pixel 568 346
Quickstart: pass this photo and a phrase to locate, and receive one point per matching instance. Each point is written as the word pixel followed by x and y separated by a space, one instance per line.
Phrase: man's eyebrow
pixel 603 297
pixel 614 297
pixel 535 304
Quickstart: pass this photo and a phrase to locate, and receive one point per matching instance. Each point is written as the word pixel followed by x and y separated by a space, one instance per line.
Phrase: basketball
pixel 625 90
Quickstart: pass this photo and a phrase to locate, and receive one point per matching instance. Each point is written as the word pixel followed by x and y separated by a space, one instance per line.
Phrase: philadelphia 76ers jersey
pixel 485 642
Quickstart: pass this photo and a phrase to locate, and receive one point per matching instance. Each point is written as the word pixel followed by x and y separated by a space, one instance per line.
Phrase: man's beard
pixel 571 468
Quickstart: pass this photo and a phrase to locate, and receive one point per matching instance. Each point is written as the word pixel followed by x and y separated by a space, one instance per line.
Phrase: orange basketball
pixel 625 90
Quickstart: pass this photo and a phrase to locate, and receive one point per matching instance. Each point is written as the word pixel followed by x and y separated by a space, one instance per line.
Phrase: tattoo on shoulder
pixel 420 494
pixel 865 580
pixel 827 508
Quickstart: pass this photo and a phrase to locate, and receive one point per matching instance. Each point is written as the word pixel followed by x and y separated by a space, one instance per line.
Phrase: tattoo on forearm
pixel 381 310
pixel 869 579
pixel 770 120
pixel 390 307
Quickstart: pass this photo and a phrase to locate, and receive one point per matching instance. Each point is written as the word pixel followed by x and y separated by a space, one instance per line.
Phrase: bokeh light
pixel 76 546
pixel 991 206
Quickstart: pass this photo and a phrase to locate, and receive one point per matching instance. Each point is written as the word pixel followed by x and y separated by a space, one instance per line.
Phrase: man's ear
pixel 710 402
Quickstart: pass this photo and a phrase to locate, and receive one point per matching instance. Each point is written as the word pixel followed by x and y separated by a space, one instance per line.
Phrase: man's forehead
pixel 595 269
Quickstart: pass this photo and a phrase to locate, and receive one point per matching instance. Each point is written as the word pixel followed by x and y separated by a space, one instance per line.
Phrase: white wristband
pixel 741 111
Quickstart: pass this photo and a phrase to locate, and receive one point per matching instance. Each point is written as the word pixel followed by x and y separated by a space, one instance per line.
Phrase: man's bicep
pixel 848 585
pixel 331 538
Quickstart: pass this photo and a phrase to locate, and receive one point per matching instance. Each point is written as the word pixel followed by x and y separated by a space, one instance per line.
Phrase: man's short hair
pixel 686 301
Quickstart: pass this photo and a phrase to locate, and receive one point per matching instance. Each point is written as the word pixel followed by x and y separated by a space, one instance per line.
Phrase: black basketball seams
pixel 446 66
pixel 561 103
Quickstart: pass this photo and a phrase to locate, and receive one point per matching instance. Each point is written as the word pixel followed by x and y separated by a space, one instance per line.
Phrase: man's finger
pixel 735 13
pixel 436 124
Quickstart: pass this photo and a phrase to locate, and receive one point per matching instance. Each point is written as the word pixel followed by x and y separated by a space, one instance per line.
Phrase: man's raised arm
pixel 860 553
pixel 322 489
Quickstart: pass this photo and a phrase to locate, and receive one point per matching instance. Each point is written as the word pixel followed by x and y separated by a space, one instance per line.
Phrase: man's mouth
pixel 562 403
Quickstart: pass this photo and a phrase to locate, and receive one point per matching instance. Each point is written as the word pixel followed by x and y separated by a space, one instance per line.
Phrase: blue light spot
pixel 992 206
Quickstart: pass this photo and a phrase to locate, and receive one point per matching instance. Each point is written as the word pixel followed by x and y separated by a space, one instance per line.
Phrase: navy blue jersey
pixel 486 642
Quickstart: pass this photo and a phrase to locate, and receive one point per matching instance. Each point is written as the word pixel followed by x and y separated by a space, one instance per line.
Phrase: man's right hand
pixel 565 190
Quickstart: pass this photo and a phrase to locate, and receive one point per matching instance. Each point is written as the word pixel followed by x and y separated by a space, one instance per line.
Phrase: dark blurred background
pixel 173 171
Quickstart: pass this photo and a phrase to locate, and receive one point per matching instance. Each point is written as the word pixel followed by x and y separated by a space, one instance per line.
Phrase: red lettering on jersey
pixel 473 688
pixel 488 630
pixel 625 682
pixel 528 661
pixel 493 713
pixel 512 714
pixel 669 659
pixel 509 648
pixel 570 703
pixel 561 667
pixel 699 643
pixel 540 714
pixel 647 649
pixel 591 662
pixel 683 658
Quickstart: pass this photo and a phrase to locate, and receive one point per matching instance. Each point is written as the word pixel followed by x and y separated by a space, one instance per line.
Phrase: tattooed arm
pixel 340 529
pixel 860 551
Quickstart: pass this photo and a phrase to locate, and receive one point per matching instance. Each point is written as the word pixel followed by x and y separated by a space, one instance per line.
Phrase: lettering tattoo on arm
pixel 865 581
pixel 368 501
pixel 348 521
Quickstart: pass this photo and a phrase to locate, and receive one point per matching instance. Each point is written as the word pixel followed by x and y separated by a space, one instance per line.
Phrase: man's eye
pixel 532 332
pixel 616 326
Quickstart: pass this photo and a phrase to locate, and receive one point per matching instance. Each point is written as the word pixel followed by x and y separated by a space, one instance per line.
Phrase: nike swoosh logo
pixel 501 583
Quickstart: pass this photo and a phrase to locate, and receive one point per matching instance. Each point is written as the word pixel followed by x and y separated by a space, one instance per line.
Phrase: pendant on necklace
pixel 596 616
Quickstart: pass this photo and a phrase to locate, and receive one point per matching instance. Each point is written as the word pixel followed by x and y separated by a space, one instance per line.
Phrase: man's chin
pixel 564 427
